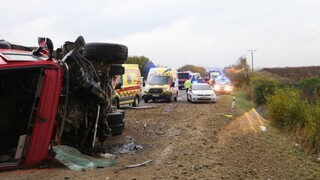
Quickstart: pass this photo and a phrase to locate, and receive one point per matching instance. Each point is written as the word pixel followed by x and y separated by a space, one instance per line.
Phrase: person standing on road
pixel 187 85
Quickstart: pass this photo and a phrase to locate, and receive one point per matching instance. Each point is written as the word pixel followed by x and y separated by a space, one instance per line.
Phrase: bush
pixel 238 77
pixel 279 107
pixel 310 88
pixel 289 112
pixel 262 88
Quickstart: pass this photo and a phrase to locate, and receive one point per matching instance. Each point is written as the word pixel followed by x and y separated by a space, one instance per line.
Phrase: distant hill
pixel 291 74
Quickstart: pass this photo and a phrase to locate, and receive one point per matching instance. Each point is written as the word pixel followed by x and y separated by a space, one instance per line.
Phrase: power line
pixel 299 41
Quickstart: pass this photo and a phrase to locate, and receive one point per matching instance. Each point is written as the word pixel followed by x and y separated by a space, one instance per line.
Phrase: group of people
pixel 187 84
pixel 195 79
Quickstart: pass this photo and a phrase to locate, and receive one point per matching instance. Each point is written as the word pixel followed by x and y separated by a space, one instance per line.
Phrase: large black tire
pixel 116 69
pixel 120 111
pixel 136 101
pixel 115 118
pixel 5 44
pixel 106 52
pixel 117 129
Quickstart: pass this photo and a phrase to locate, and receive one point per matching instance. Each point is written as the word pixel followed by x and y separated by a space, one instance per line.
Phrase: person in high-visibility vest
pixel 187 85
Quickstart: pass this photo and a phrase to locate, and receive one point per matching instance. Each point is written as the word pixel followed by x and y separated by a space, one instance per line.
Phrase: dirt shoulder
pixel 196 141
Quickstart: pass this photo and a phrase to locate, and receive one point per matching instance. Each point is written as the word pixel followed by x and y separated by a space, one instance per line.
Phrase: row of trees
pixel 192 68
pixel 238 73
pixel 144 64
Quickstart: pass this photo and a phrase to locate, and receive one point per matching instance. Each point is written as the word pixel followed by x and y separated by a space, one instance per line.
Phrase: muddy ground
pixel 194 141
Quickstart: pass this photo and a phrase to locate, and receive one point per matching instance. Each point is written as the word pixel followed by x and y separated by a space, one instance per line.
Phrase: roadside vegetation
pixel 293 107
pixel 241 102
pixel 144 64
pixel 193 68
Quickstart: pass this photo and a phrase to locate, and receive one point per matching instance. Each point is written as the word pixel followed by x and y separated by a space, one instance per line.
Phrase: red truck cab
pixel 29 88
pixel 183 76
pixel 65 100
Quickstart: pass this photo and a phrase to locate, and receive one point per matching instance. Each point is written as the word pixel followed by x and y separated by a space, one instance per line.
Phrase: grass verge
pixel 242 105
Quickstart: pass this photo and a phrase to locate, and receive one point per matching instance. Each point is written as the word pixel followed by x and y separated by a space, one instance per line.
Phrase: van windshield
pixel 223 81
pixel 183 75
pixel 158 80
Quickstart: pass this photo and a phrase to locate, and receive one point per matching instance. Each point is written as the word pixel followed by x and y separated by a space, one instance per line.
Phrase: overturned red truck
pixel 56 97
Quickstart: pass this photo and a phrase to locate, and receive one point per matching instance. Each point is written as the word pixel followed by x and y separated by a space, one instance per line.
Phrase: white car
pixel 201 92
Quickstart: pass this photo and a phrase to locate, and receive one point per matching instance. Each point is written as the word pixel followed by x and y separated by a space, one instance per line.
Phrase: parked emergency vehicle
pixel 162 83
pixel 223 85
pixel 128 86
pixel 183 76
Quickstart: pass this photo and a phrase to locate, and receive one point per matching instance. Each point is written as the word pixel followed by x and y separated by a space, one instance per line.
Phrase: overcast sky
pixel 174 33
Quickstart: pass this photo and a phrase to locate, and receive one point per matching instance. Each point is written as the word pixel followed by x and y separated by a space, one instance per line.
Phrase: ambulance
pixel 162 83
pixel 127 87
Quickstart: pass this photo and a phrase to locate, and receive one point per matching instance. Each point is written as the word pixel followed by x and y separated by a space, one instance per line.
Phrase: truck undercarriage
pixel 84 103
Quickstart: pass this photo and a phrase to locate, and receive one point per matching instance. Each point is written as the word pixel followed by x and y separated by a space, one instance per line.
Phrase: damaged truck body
pixel 60 97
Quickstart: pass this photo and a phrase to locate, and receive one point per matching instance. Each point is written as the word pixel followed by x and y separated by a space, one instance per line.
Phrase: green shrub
pixel 312 128
pixel 263 87
pixel 279 106
pixel 310 88
pixel 289 112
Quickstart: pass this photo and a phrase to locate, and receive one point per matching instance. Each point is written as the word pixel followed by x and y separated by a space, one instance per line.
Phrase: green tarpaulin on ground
pixel 75 160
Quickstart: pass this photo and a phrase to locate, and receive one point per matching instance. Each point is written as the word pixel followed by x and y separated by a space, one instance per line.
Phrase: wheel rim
pixel 136 101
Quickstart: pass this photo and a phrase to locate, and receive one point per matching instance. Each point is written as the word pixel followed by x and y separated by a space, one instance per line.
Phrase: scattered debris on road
pixel 230 116
pixel 140 164
pixel 263 128
pixel 141 107
pixel 127 147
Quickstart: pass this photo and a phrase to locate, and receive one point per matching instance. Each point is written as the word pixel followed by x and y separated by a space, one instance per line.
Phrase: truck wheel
pixel 116 69
pixel 120 111
pixel 106 52
pixel 115 118
pixel 146 100
pixel 117 129
pixel 136 102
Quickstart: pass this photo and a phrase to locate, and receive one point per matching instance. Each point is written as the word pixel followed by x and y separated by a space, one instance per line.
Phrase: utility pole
pixel 252 50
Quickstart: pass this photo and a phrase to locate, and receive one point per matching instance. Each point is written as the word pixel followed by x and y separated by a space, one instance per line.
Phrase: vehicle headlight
pixel 146 90
pixel 166 89
pixel 228 88
pixel 216 87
